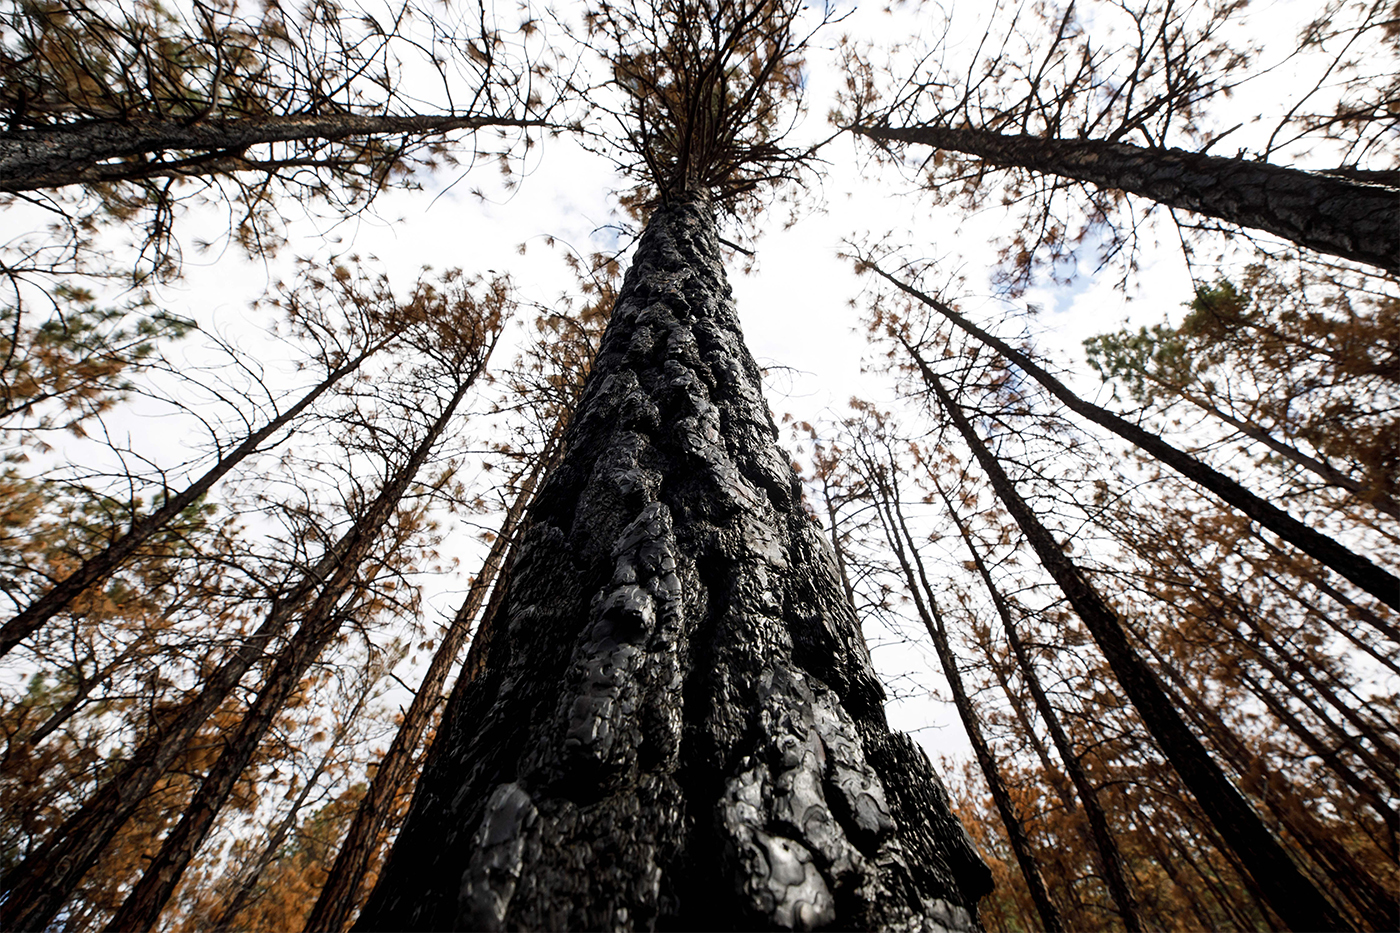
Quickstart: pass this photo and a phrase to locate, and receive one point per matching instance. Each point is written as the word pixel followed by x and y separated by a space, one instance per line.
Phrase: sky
pixel 796 306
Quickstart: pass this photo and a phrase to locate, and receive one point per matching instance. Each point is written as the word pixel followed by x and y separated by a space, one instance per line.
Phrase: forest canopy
pixel 1078 322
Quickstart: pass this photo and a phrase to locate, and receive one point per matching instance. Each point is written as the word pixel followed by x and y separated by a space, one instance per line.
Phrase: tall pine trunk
pixel 676 721
pixel 1289 893
pixel 897 534
pixel 88 153
pixel 1328 213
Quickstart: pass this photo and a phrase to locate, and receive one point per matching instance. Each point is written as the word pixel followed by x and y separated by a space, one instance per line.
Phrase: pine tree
pixel 676 720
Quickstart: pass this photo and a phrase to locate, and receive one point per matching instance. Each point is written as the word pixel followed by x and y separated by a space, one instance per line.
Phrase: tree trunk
pixel 243 895
pixel 104 563
pixel 1379 582
pixel 1328 213
pixel 1376 905
pixel 340 894
pixel 897 535
pixel 322 621
pixel 1290 894
pixel 82 154
pixel 677 722
pixel 1109 858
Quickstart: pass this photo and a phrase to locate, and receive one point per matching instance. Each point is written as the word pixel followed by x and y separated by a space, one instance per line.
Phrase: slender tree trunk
pixel 898 536
pixel 1328 213
pixel 1290 894
pixel 1105 848
pixel 1320 468
pixel 340 894
pixel 105 562
pixel 676 722
pixel 253 873
pixel 1380 583
pixel 323 620
pixel 83 153
pixel 1002 671
pixel 39 886
pixel 1349 878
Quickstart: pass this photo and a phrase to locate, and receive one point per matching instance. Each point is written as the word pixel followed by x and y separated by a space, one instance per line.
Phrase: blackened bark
pixel 1341 216
pixel 1360 570
pixel 1289 892
pixel 321 623
pixel 677 723
pixel 107 561
pixel 82 154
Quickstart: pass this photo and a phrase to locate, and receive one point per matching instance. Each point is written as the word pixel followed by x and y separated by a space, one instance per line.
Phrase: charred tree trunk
pixel 1359 569
pixel 1290 894
pixel 677 722
pixel 1328 213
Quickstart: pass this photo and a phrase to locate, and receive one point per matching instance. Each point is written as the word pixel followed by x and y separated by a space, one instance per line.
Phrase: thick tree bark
pixel 1341 216
pixel 80 154
pixel 340 894
pixel 106 562
pixel 1105 847
pixel 1289 893
pixel 1360 570
pixel 677 722
pixel 898 536
pixel 322 621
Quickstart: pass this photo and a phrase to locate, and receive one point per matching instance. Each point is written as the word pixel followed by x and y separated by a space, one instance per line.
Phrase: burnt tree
pixel 677 721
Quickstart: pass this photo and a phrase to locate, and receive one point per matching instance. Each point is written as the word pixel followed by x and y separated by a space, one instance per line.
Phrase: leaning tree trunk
pixel 677 721
pixel 95 152
pixel 1296 900
pixel 1332 214
pixel 1357 568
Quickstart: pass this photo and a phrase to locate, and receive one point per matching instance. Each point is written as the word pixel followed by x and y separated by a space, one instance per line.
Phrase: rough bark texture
pixel 677 723
pixel 1354 219
pixel 82 154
